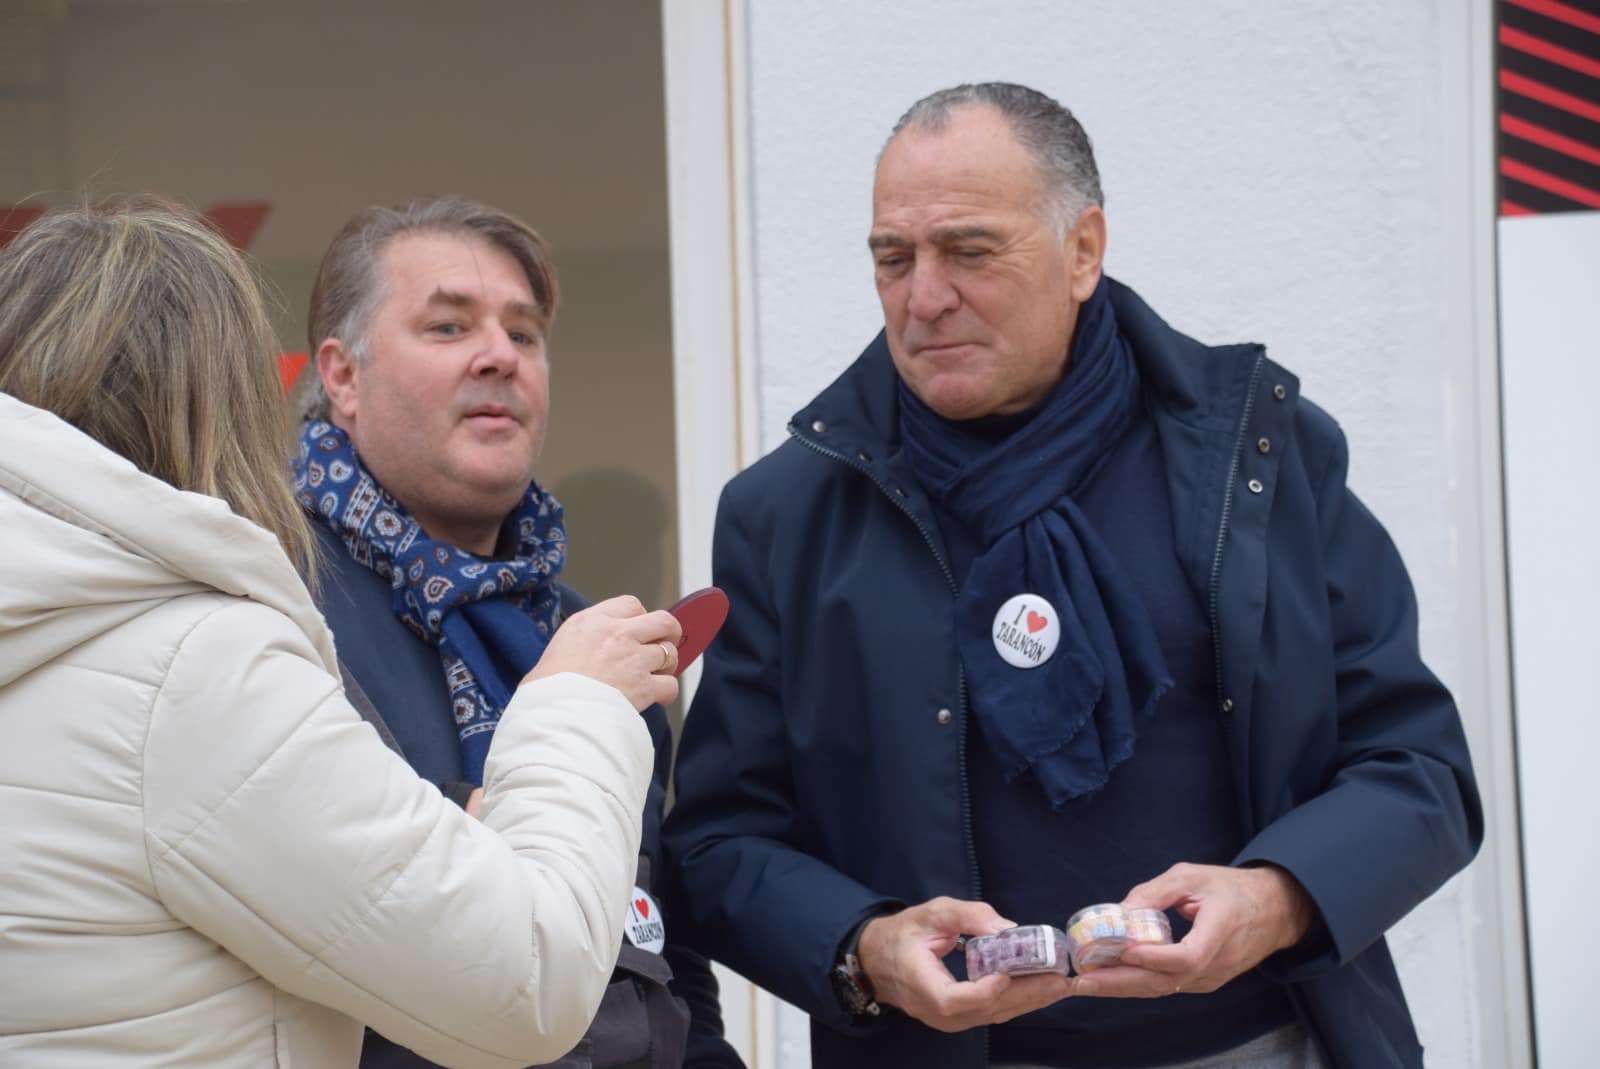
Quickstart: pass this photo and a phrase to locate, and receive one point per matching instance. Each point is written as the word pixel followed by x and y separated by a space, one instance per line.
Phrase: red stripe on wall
pixel 1570 15
pixel 1549 139
pixel 238 220
pixel 1508 207
pixel 1527 87
pixel 289 367
pixel 15 218
pixel 1549 182
pixel 1524 42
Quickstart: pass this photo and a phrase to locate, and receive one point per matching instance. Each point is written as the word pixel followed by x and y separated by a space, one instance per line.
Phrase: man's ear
pixel 1086 252
pixel 337 368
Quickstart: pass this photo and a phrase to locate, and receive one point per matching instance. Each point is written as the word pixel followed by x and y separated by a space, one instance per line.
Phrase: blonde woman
pixel 208 859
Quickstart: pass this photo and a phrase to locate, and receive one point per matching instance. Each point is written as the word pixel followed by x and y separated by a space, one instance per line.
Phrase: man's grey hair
pixel 350 287
pixel 1055 140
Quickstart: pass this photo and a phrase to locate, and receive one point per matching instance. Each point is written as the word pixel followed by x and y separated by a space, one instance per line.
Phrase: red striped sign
pixel 1549 125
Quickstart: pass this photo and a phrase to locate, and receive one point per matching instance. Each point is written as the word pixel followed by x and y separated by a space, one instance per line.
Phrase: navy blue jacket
pixel 821 777
pixel 639 1023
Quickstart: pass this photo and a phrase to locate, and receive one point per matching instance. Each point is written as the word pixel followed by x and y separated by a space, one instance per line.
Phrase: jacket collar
pixel 1198 395
pixel 1200 386
pixel 858 409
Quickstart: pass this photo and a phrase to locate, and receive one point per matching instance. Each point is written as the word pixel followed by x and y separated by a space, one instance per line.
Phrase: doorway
pixel 280 118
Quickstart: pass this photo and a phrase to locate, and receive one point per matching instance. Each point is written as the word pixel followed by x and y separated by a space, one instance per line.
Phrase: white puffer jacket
pixel 208 859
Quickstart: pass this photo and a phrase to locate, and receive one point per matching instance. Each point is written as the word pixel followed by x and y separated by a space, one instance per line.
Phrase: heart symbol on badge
pixel 1035 621
pixel 643 906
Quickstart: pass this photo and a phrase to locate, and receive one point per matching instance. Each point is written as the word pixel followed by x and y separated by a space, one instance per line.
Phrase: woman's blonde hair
pixel 144 329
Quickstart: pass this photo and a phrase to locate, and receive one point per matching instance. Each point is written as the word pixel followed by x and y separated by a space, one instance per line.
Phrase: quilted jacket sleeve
pixel 279 825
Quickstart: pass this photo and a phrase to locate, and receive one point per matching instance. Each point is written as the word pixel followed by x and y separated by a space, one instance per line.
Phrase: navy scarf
pixel 1073 718
pixel 489 619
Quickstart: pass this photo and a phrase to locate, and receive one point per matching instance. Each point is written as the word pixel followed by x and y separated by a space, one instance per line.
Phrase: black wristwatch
pixel 850 984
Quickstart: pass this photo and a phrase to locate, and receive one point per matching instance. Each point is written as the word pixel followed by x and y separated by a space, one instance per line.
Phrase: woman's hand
pixel 618 643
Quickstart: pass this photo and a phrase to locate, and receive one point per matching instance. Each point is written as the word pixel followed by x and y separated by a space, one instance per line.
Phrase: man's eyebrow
pixel 947 235
pixel 454 300
pixel 886 241
pixel 461 300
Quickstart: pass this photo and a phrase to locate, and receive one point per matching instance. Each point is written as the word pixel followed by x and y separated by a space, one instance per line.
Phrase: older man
pixel 1046 605
pixel 429 323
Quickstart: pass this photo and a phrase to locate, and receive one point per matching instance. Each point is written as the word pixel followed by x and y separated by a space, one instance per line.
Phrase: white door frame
pixel 1483 677
pixel 703 42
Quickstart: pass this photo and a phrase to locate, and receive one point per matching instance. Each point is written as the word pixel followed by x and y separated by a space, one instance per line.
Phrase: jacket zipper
pixel 1222 527
pixel 961 672
pixel 1216 630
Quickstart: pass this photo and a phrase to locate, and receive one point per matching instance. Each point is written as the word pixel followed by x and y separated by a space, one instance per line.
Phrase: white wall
pixel 1294 173
pixel 1549 265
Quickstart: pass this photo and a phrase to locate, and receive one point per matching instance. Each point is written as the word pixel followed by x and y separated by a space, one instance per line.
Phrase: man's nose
pixel 498 355
pixel 932 293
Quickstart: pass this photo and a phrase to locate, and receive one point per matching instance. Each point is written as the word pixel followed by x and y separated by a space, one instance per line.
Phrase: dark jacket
pixel 640 1023
pixel 820 775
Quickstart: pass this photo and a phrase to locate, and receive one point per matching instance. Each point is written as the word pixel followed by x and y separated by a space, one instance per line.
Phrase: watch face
pixel 853 998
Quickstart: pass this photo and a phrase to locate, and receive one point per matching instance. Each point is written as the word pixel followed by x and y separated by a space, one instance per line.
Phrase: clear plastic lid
pixel 1020 951
pixel 1097 935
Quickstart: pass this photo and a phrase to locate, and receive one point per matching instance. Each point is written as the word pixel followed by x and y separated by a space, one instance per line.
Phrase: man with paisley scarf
pixel 1046 605
pixel 429 324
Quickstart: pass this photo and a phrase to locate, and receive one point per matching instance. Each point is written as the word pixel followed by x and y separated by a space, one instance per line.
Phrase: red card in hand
pixel 701 615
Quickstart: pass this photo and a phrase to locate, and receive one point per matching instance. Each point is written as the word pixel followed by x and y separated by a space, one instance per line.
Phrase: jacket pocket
pixel 640 1024
pixel 620 1034
pixel 579 1057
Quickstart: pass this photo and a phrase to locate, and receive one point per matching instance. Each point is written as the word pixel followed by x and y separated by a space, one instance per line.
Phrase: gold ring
pixel 666 656
pixel 1176 988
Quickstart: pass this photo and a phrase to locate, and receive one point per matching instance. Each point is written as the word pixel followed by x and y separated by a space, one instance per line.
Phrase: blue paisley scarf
pixel 1075 717
pixel 489 619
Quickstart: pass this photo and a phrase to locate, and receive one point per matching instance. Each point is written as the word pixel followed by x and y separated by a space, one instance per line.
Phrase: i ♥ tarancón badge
pixel 644 927
pixel 1026 631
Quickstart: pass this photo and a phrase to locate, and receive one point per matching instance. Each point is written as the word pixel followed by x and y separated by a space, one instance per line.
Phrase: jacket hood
pixel 92 542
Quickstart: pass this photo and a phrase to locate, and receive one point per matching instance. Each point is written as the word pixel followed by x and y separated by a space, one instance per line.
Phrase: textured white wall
pixel 1280 172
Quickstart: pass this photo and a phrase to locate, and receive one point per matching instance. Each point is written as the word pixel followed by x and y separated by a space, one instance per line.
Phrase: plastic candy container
pixel 1031 948
pixel 1096 935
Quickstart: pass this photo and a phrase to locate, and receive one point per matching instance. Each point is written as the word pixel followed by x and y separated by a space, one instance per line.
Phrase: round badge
pixel 644 927
pixel 1026 631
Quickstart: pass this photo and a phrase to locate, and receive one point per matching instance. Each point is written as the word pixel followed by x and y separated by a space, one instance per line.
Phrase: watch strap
pixel 850 982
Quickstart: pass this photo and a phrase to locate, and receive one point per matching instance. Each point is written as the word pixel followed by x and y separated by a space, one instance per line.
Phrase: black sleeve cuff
pixel 457 792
